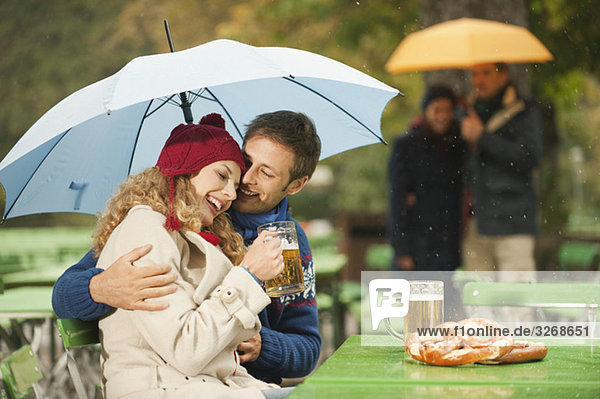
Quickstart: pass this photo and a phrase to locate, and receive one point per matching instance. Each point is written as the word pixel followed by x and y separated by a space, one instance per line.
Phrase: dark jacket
pixel 504 199
pixel 428 167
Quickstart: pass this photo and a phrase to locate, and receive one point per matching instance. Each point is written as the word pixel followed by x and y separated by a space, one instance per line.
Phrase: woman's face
pixel 439 114
pixel 215 186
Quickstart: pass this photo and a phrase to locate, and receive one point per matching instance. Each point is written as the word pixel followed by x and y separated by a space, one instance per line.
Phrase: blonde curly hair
pixel 151 188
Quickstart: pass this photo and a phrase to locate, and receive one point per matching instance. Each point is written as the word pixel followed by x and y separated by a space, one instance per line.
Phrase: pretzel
pixel 523 351
pixel 455 350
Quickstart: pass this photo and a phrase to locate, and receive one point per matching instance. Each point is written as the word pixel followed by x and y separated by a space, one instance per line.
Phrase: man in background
pixel 504 133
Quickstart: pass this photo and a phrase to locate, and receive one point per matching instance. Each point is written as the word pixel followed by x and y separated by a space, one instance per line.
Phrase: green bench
pixel 574 300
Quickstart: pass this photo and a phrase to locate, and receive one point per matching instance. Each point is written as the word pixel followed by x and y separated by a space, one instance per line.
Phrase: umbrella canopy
pixel 463 43
pixel 76 155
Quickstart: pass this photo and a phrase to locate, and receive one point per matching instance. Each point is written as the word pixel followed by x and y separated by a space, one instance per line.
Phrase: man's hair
pixel 501 66
pixel 293 130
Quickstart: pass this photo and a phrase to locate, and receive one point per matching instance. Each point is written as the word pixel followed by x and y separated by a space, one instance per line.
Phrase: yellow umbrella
pixel 463 43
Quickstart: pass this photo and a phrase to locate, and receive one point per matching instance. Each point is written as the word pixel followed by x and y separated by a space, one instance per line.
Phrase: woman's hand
pixel 264 258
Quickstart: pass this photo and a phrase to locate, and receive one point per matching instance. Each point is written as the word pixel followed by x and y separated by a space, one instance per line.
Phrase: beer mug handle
pixel 391 330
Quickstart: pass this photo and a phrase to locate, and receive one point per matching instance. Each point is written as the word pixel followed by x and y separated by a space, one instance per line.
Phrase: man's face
pixel 487 80
pixel 267 178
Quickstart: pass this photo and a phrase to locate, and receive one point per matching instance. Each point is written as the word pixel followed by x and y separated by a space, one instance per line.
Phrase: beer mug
pixel 425 308
pixel 291 279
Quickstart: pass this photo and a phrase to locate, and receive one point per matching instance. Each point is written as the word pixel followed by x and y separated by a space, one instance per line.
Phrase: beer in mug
pixel 291 279
pixel 425 305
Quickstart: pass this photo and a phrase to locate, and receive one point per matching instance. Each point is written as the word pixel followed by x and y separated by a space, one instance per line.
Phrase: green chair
pixel 20 373
pixel 573 296
pixel 328 267
pixel 579 256
pixel 77 334
pixel 379 257
pixel 350 297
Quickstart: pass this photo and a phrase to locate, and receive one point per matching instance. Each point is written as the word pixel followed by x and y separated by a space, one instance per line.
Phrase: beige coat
pixel 187 350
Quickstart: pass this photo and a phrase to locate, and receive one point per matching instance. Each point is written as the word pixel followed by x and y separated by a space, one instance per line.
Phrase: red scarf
pixel 213 239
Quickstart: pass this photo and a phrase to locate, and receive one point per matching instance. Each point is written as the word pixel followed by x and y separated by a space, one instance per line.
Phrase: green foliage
pixel 570 82
pixel 362 34
pixel 571 32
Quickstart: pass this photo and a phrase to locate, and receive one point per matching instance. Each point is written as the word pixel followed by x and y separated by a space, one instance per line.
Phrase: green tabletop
pixel 44 276
pixel 26 303
pixel 35 248
pixel 356 371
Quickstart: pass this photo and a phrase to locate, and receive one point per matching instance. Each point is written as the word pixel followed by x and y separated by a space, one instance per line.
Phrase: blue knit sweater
pixel 290 334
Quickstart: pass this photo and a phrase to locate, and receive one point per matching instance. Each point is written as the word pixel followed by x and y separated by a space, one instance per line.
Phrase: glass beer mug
pixel 425 308
pixel 291 279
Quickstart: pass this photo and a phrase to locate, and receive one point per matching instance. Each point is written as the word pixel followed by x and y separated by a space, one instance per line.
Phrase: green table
pixel 24 305
pixel 356 371
pixel 38 248
pixel 23 313
pixel 41 277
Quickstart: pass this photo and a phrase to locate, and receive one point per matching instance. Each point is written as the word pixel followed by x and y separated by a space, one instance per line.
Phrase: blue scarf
pixel 246 223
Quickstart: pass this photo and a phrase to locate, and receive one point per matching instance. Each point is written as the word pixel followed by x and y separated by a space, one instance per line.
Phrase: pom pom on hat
pixel 213 119
pixel 190 148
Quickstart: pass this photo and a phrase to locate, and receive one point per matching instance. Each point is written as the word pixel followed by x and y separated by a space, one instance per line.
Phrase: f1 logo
pixel 388 298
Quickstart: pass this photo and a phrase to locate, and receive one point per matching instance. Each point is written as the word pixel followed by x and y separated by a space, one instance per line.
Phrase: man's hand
pixel 250 349
pixel 125 286
pixel 471 127
pixel 405 262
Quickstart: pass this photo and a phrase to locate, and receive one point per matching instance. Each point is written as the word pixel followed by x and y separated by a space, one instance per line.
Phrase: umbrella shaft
pixel 186 106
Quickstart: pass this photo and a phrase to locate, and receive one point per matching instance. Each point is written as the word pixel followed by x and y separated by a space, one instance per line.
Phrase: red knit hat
pixel 190 148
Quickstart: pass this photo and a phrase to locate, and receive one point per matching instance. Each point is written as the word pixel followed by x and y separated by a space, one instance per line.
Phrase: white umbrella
pixel 75 156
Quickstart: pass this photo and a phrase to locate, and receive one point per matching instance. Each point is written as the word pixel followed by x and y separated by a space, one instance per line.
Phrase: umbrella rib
pixel 225 110
pixel 336 105
pixel 33 174
pixel 137 136
pixel 195 95
pixel 167 101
